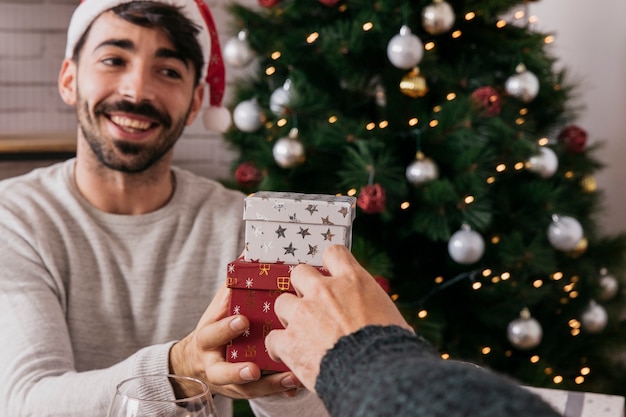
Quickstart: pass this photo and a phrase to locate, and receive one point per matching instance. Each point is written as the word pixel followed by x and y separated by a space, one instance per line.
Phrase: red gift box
pixel 254 288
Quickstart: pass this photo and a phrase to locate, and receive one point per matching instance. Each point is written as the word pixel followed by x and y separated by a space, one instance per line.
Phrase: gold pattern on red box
pixel 255 286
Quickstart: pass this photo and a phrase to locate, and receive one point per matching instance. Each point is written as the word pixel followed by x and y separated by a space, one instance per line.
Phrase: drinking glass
pixel 156 396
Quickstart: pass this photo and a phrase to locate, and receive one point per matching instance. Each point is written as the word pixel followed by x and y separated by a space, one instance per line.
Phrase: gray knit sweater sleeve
pixel 388 371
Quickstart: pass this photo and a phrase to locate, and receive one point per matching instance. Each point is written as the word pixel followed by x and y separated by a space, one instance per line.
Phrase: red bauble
pixel 269 3
pixel 329 3
pixel 574 138
pixel 487 100
pixel 372 199
pixel 383 282
pixel 248 175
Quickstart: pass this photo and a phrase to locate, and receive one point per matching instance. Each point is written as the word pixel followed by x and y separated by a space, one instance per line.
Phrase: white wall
pixel 591 43
pixel 590 40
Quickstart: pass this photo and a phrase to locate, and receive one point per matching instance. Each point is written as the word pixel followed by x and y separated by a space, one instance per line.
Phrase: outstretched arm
pixel 345 339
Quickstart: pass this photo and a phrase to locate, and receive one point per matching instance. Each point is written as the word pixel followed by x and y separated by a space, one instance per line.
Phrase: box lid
pixel 250 275
pixel 300 208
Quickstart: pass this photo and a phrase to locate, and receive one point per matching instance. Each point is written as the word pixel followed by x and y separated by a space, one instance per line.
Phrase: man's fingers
pixel 240 387
pixel 218 308
pixel 221 332
pixel 284 306
pixel 273 344
pixel 304 278
pixel 224 373
pixel 339 261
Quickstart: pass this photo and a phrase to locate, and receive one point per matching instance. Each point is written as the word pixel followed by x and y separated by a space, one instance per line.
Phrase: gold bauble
pixel 414 84
pixel 589 184
pixel 579 249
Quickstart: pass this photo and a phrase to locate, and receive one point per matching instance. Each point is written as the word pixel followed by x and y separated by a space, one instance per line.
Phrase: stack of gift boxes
pixel 282 230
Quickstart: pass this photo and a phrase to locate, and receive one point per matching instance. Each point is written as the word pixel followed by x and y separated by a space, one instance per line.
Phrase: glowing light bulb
pixel 312 37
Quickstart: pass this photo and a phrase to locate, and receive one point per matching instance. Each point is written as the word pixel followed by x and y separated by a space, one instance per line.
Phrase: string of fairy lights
pixel 569 288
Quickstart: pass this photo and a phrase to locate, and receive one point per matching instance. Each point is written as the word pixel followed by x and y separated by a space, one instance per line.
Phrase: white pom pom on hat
pixel 215 117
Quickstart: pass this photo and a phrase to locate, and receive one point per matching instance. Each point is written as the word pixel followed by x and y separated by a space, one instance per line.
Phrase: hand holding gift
pixel 282 231
pixel 201 355
pixel 321 313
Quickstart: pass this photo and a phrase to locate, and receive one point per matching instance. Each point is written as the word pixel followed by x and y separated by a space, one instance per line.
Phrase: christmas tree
pixel 476 193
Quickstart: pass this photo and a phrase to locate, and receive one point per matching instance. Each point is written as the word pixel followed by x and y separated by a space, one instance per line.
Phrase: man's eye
pixel 172 73
pixel 112 62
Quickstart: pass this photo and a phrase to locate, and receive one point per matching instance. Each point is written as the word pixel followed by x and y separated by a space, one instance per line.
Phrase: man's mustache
pixel 140 109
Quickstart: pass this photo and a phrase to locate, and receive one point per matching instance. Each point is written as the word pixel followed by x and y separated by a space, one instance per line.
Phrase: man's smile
pixel 131 124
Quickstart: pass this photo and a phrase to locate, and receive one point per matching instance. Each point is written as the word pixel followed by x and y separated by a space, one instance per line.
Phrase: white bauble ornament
pixel 288 151
pixel 466 246
pixel 438 18
pixel 523 85
pixel 564 232
pixel 422 170
pixel 237 52
pixel 594 318
pixel 524 332
pixel 280 98
pixel 545 163
pixel 608 287
pixel 380 95
pixel 248 116
pixel 405 50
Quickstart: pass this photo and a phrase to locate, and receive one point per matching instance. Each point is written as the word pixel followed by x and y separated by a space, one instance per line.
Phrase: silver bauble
pixel 237 52
pixel 594 318
pixel 438 18
pixel 466 246
pixel 564 232
pixel 545 163
pixel 248 116
pixel 405 50
pixel 608 287
pixel 524 85
pixel 422 170
pixel 280 98
pixel 524 332
pixel 288 151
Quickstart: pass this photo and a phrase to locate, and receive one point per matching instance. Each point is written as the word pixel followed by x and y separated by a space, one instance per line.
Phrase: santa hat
pixel 213 73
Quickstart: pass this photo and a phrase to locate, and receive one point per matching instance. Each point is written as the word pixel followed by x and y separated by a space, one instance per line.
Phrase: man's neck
pixel 124 193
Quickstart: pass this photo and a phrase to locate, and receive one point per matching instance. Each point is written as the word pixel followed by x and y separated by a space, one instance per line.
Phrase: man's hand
pixel 201 355
pixel 324 310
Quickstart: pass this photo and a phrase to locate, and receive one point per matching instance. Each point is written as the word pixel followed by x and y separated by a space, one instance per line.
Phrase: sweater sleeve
pixel 37 371
pixel 388 371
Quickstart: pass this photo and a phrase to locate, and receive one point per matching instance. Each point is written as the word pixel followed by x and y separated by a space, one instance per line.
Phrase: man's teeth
pixel 134 124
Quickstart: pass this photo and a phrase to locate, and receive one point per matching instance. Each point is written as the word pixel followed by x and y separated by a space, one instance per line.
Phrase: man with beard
pixel 108 260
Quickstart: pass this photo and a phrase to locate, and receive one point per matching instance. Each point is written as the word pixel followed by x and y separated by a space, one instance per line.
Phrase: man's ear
pixel 67 82
pixel 196 103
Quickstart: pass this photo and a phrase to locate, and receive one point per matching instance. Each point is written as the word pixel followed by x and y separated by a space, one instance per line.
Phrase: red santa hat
pixel 215 116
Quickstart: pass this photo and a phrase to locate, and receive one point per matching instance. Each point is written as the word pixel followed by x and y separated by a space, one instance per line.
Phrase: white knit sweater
pixel 89 298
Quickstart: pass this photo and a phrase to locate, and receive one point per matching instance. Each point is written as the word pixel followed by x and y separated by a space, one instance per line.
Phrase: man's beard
pixel 135 157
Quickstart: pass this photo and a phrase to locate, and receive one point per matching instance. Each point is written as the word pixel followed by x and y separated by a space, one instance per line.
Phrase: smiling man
pixel 109 261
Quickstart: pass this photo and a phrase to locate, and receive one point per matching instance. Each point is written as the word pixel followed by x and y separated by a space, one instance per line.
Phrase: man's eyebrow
pixel 118 43
pixel 170 53
pixel 128 45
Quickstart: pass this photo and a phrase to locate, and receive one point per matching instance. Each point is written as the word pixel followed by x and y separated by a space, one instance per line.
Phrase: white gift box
pixel 581 404
pixel 295 227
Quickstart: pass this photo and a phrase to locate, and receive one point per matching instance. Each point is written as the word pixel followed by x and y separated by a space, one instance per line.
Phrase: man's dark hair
pixel 180 30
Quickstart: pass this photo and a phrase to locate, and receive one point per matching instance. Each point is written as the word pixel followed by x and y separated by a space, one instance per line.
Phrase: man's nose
pixel 137 84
